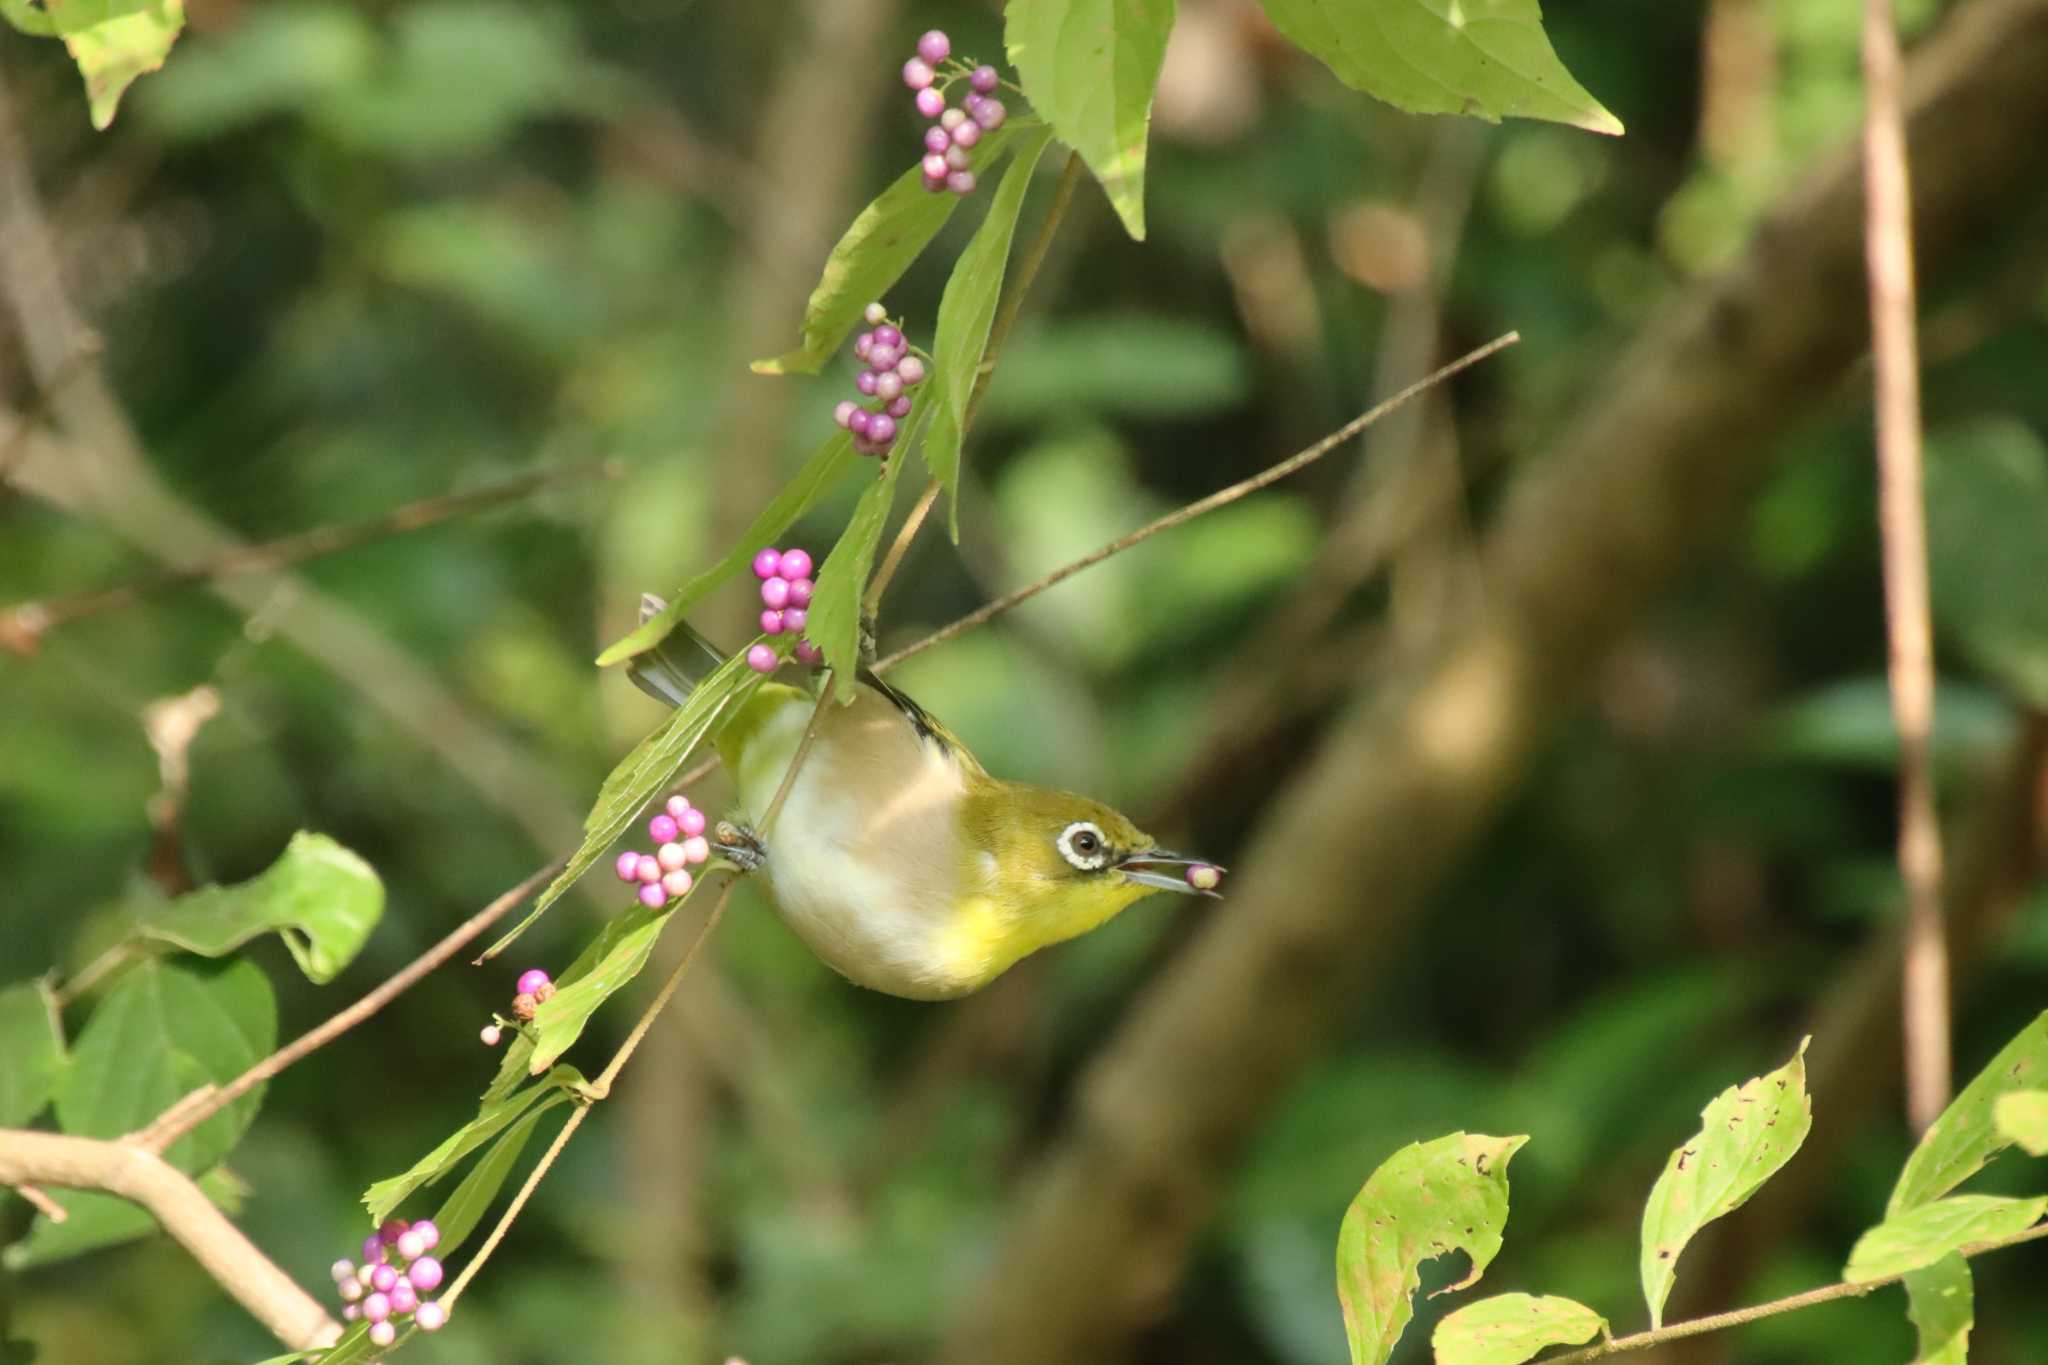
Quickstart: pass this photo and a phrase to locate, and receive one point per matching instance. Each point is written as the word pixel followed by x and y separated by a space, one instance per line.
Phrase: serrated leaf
pixel 652 765
pixel 1508 1329
pixel 1089 68
pixel 1925 1233
pixel 1958 1144
pixel 95 1221
pixel 492 1118
pixel 461 1211
pixel 111 41
pixel 319 897
pixel 1987 500
pixel 163 1031
pixel 1941 1302
pixel 820 473
pixel 2021 1116
pixel 834 623
pixel 31 1051
pixel 1746 1136
pixel 561 1018
pixel 1488 58
pixel 1426 1200
pixel 880 245
pixel 966 312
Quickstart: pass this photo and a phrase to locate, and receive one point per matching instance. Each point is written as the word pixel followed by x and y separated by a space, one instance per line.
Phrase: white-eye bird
pixel 896 856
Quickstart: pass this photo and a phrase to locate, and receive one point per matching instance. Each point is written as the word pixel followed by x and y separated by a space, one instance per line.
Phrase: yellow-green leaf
pixel 31 1051
pixel 1942 1305
pixel 1956 1145
pixel 111 41
pixel 629 940
pixel 95 1221
pixel 1920 1236
pixel 1508 1329
pixel 492 1118
pixel 835 607
pixel 320 898
pixel 461 1211
pixel 2022 1117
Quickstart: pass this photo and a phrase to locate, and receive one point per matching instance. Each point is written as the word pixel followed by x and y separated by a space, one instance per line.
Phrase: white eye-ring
pixel 1082 844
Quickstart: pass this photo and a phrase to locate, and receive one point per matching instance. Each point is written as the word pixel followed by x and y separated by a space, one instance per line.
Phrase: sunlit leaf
pixel 31 1051
pixel 1941 1303
pixel 1925 1233
pixel 820 473
pixel 651 766
pixel 1746 1136
pixel 2021 1116
pixel 462 1210
pixel 95 1221
pixel 1488 58
pixel 1089 68
pixel 562 1017
pixel 320 898
pixel 162 1032
pixel 966 313
pixel 834 624
pixel 1510 1328
pixel 1987 500
pixel 888 235
pixel 492 1118
pixel 1956 1145
pixel 1426 1200
pixel 112 41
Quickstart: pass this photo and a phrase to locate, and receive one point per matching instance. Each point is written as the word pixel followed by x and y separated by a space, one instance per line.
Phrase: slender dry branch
pixel 119 1168
pixel 1902 516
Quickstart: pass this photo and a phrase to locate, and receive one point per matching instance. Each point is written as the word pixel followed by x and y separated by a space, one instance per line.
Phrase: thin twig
pixel 1738 1317
pixel 1888 240
pixel 1270 475
pixel 42 1203
pixel 202 1104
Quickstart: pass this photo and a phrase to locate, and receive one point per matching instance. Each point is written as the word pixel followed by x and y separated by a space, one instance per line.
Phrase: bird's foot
pixel 739 846
pixel 868 630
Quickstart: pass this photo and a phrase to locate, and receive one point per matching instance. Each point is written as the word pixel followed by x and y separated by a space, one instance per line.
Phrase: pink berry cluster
pixel 664 875
pixel 398 1267
pixel 786 589
pixel 534 989
pixel 891 373
pixel 949 143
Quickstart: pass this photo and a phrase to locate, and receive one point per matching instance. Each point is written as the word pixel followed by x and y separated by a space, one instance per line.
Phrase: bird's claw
pixel 739 846
pixel 868 630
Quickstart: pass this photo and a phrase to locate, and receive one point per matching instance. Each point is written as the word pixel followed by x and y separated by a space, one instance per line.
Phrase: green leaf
pixel 112 41
pixel 1746 1136
pixel 162 1032
pixel 966 313
pixel 2021 1117
pixel 880 245
pixel 1941 1303
pixel 492 1118
pixel 1488 58
pixel 561 1019
pixel 1510 1328
pixel 652 765
pixel 835 607
pixel 31 1051
pixel 1987 500
pixel 823 470
pixel 95 1221
pixel 461 1211
pixel 1427 1199
pixel 1966 1136
pixel 321 899
pixel 1089 67
pixel 1925 1233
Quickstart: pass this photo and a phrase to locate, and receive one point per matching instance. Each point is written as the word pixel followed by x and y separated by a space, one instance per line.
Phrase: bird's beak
pixel 1167 871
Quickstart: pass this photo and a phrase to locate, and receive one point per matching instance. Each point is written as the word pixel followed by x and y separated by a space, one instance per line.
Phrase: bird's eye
pixel 1082 844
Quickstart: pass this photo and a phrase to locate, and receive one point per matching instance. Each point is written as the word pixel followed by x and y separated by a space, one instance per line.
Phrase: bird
pixel 897 858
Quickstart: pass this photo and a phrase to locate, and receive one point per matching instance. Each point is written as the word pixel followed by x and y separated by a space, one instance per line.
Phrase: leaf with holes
pixel 461 1211
pixel 1090 67
pixel 1966 1136
pixel 966 313
pixel 321 899
pixel 2021 1117
pixel 562 1017
pixel 1488 58
pixel 111 41
pixel 31 1051
pixel 822 472
pixel 835 607
pixel 1746 1136
pixel 1510 1328
pixel 95 1221
pixel 888 235
pixel 1426 1200
pixel 1941 1302
pixel 164 1030
pixel 492 1118
pixel 1925 1233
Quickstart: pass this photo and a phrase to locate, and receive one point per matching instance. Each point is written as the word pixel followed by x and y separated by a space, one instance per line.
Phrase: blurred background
pixel 347 256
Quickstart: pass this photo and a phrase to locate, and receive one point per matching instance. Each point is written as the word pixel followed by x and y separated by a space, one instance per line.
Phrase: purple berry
pixel 961 183
pixel 389 1231
pixel 677 884
pixel 530 982
pixel 874 315
pixel 885 335
pixel 363 1273
pixel 935 46
pixel 990 115
pixel 793 619
pixel 910 370
pixel 373 1247
pixel 973 102
pixel 800 591
pixel 957 157
pixel 762 660
pixel 861 344
pixel 647 870
pixel 429 1231
pixel 984 80
pixel 661 829
pixel 350 1290
pixel 933 186
pixel 858 423
pixel 917 73
pixel 403 1297
pixel 383 1333
pixel 930 102
pixel 693 823
pixel 865 380
pixel 342 1270
pixel 844 411
pixel 771 624
pixel 377 1307
pixel 490 1033
pixel 697 849
pixel 670 856
pixel 679 803
pixel 626 865
pixel 796 564
pixel 767 563
pixel 937 140
pixel 881 430
pixel 966 135
pixel 383 1277
pixel 775 592
pixel 652 896
pixel 808 653
pixel 899 409
pixel 883 359
pixel 431 1317
pixel 888 386
pixel 350 1312
pixel 1203 877
pixel 952 119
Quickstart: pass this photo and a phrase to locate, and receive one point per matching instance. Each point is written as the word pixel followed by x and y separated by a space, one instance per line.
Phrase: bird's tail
pixel 672 668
